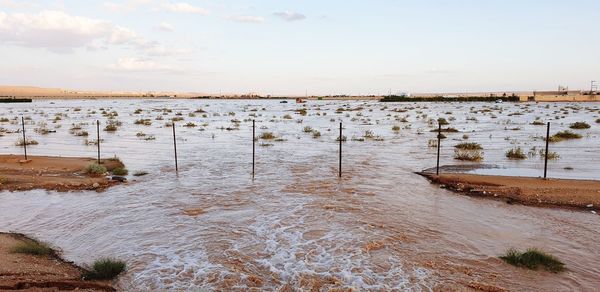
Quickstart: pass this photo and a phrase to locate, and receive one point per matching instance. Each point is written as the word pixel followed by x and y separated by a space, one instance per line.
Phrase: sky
pixel 297 47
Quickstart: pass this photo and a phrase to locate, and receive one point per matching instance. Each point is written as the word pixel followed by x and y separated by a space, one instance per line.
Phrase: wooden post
pixel 98 138
pixel 439 144
pixel 341 138
pixel 253 145
pixel 175 147
pixel 24 139
pixel 546 158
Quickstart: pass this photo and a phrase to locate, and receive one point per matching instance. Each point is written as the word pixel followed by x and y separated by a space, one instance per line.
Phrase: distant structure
pixel 564 94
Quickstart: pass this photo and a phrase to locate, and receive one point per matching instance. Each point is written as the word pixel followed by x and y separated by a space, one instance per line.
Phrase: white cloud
pixel 290 16
pixel 127 6
pixel 131 64
pixel 61 32
pixel 166 27
pixel 182 7
pixel 247 19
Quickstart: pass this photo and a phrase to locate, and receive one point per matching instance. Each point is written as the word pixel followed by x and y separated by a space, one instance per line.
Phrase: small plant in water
pixel 105 269
pixel 22 142
pixel 533 259
pixel 579 125
pixel 140 173
pixel 267 136
pixel 564 135
pixel 468 155
pixel 469 146
pixel 516 153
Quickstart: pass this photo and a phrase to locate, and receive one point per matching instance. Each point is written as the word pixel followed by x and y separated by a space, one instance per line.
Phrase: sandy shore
pixel 51 173
pixel 26 272
pixel 581 194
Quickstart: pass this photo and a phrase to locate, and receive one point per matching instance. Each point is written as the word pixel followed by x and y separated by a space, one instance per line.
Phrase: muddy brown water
pixel 296 225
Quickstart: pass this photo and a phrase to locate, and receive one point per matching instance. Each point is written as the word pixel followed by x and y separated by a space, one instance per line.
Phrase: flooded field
pixel 296 224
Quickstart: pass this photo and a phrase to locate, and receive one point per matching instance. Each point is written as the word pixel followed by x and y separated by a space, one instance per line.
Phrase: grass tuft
pixel 32 248
pixel 580 125
pixel 533 259
pixel 95 169
pixel 469 146
pixel 516 153
pixel 105 269
pixel 120 171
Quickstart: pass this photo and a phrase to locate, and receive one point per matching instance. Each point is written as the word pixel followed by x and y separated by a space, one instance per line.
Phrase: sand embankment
pixel 52 173
pixel 581 194
pixel 26 272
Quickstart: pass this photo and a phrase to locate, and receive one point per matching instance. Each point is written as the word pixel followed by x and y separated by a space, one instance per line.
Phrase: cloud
pixel 60 32
pixel 166 27
pixel 247 19
pixel 290 16
pixel 182 7
pixel 14 4
pixel 132 64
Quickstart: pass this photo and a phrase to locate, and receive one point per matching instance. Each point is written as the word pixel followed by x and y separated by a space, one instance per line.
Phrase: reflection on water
pixel 379 227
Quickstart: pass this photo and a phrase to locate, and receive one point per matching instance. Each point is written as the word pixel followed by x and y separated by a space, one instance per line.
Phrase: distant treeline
pixel 4 99
pixel 404 98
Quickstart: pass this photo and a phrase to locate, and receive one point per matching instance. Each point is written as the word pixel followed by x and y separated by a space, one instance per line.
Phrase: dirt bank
pixel 40 273
pixel 581 194
pixel 51 173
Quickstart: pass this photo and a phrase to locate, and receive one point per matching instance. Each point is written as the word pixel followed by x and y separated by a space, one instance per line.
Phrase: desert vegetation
pixel 533 259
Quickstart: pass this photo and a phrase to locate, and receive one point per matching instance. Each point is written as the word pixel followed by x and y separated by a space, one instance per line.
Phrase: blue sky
pixel 293 46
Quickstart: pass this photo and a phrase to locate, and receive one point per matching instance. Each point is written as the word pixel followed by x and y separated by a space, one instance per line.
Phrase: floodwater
pixel 296 225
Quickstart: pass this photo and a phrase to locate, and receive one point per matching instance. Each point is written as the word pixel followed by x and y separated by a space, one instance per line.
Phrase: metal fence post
pixel 341 138
pixel 439 144
pixel 24 139
pixel 547 144
pixel 175 147
pixel 98 138
pixel 253 145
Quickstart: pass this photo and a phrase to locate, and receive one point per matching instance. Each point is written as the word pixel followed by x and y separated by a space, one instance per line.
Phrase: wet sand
pixel 26 272
pixel 584 194
pixel 51 173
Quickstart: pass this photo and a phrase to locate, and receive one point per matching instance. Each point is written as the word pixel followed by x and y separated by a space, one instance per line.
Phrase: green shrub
pixel 120 171
pixel 105 269
pixel 442 121
pixel 598 121
pixel 564 135
pixel 516 153
pixel 32 248
pixel 396 128
pixel 307 129
pixel 579 125
pixel 532 259
pixel 316 134
pixel 468 146
pixel 95 169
